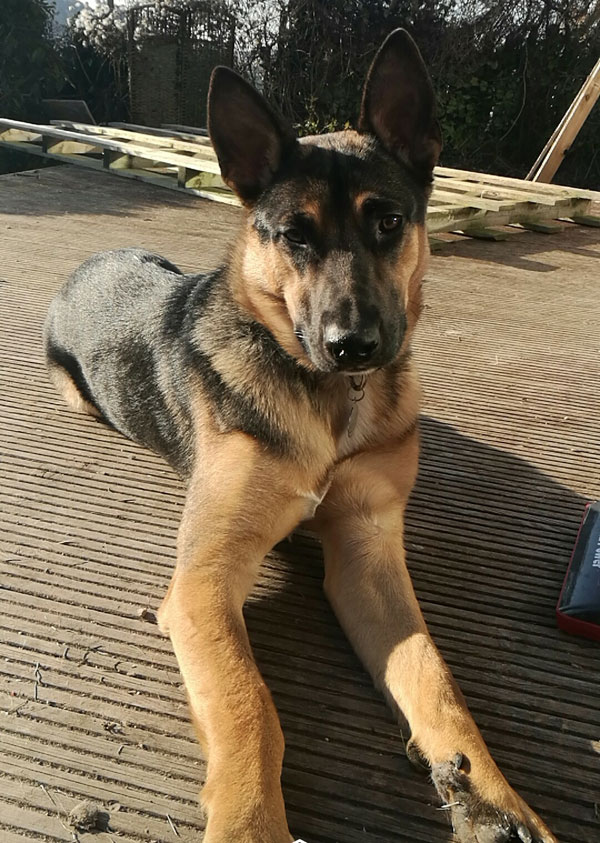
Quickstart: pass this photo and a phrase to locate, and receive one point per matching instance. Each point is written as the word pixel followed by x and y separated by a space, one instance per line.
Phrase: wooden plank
pixel 21 743
pixel 193 130
pixel 17 135
pixel 483 233
pixel 124 161
pixel 497 192
pixel 441 195
pixel 132 148
pixel 436 244
pixel 450 219
pixel 117 160
pixel 161 142
pixel 162 132
pixel 192 179
pixel 592 220
pixel 553 153
pixel 547 227
pixel 38 823
pixel 539 187
pixel 65 709
pixel 158 662
pixel 9 836
pixel 68 147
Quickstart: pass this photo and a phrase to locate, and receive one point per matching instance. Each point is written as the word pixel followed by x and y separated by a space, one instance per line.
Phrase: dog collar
pixel 356 393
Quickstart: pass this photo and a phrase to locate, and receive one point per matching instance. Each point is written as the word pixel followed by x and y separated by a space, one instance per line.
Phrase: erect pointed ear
pixel 398 104
pixel 248 136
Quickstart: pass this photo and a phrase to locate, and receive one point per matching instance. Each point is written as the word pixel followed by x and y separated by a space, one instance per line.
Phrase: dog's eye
pixel 295 236
pixel 389 223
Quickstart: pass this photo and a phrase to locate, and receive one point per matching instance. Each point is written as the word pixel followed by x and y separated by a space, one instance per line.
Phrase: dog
pixel 281 387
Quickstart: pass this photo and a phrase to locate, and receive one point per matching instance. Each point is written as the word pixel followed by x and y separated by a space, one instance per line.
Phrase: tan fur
pixel 264 283
pixel 415 258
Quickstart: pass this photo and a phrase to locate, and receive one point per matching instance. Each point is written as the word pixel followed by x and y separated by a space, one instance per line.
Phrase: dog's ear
pixel 248 136
pixel 398 104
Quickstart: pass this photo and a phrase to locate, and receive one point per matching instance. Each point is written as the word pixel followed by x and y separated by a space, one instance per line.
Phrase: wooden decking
pixel 90 696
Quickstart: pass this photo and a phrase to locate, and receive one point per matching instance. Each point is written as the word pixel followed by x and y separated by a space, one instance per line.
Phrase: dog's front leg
pixel 236 510
pixel 361 525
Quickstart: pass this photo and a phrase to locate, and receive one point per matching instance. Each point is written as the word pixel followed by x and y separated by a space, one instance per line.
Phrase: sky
pixel 62 7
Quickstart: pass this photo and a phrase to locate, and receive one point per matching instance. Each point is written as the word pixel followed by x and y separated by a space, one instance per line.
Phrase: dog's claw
pixel 524 834
pixel 413 753
pixel 458 760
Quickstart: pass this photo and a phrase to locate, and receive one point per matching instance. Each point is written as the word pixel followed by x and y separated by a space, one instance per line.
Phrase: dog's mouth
pixel 324 364
pixel 357 373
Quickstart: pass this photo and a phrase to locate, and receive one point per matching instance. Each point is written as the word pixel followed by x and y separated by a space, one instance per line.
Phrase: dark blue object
pixel 578 609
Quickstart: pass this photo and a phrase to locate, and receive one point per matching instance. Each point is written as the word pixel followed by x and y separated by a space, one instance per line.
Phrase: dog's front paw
pixel 476 819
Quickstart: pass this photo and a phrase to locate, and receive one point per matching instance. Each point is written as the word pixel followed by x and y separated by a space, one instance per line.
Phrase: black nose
pixel 353 349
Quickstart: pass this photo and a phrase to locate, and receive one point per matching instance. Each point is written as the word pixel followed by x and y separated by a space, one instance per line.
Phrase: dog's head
pixel 335 246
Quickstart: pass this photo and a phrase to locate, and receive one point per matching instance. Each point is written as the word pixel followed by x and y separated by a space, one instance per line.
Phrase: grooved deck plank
pixel 509 352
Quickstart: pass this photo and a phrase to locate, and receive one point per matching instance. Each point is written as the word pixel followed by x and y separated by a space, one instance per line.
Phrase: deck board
pixel 91 701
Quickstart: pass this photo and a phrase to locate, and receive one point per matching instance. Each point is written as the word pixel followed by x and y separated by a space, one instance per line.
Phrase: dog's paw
pixel 476 820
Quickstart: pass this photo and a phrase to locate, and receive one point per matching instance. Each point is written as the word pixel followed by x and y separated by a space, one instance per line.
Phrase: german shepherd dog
pixel 281 386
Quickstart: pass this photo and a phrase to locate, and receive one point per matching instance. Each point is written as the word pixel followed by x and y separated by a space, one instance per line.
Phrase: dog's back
pixel 106 346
